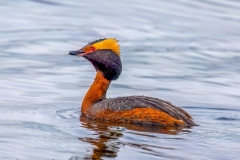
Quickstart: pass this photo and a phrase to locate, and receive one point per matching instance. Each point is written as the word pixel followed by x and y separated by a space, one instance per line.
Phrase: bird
pixel 104 54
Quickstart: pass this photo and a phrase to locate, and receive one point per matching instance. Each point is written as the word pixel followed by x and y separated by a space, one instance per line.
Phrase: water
pixel 186 52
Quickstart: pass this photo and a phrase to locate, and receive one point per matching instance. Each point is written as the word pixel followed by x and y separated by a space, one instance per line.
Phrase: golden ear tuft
pixel 108 43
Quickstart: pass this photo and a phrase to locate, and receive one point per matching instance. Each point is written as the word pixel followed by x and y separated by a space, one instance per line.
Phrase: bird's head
pixel 104 54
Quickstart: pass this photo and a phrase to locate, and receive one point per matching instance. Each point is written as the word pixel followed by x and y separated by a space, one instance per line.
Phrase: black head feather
pixel 107 62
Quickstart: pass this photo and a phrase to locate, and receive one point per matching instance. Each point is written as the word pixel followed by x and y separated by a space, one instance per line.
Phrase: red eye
pixel 92 49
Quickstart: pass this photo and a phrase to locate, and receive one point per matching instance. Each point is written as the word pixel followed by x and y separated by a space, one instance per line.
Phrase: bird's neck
pixel 96 92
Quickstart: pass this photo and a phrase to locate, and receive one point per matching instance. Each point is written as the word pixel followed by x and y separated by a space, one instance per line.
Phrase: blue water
pixel 185 52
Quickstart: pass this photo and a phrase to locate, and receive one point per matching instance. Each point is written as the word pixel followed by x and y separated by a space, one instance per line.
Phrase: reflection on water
pixel 185 52
pixel 107 143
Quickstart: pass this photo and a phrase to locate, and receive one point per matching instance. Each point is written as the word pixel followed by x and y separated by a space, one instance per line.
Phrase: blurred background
pixel 186 52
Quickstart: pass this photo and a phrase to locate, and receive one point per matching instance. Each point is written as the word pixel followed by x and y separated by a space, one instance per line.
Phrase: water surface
pixel 186 52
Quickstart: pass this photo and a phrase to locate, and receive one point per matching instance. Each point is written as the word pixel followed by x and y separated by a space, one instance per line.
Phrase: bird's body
pixel 104 54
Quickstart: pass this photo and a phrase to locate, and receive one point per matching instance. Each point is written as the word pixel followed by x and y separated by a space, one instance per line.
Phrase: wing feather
pixel 131 102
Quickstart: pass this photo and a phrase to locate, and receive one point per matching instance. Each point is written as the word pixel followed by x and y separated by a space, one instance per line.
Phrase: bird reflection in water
pixel 107 143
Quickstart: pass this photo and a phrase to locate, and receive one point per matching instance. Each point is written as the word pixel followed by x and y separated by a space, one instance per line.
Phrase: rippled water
pixel 186 52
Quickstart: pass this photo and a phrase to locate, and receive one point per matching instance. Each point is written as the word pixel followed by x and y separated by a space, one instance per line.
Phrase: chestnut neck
pixel 96 92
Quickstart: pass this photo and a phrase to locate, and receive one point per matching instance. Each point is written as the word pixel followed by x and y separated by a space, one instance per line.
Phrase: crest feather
pixel 108 43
